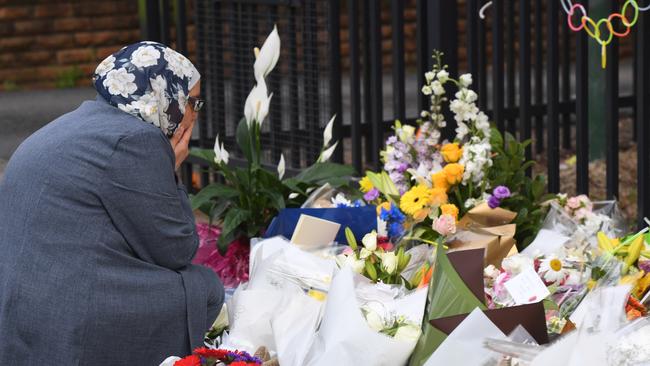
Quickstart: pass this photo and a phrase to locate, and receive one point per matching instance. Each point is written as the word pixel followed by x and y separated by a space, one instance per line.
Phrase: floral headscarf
pixel 148 80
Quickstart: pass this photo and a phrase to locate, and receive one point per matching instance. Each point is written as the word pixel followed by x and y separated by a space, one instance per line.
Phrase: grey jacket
pixel 96 239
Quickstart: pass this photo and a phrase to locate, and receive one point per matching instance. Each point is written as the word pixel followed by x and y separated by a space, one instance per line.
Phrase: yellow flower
pixel 451 152
pixel 439 180
pixel 385 205
pixel 449 209
pixel 454 173
pixel 438 196
pixel 365 185
pixel 415 200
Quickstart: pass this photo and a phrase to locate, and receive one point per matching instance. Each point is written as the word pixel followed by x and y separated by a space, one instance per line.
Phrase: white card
pixel 312 232
pixel 527 287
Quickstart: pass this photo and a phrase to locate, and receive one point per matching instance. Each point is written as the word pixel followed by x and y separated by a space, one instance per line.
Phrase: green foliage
pixel 509 169
pixel 251 196
pixel 68 77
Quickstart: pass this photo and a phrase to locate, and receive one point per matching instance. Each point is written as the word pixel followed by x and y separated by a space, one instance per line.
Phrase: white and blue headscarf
pixel 148 80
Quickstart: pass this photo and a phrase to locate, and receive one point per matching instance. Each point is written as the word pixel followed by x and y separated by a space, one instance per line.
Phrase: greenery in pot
pixel 250 195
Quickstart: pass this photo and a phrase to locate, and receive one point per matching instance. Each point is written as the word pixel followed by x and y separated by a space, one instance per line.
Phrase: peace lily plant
pixel 251 195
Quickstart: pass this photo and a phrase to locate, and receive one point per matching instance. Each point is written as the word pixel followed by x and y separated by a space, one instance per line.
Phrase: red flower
pixel 192 360
pixel 242 363
pixel 211 353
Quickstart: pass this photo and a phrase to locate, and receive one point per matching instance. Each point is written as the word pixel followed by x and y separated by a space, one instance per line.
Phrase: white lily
pixel 220 153
pixel 327 133
pixel 327 154
pixel 267 57
pixel 281 166
pixel 257 104
pixel 370 241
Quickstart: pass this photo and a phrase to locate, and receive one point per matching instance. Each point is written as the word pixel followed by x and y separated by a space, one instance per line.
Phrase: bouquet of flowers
pixel 213 357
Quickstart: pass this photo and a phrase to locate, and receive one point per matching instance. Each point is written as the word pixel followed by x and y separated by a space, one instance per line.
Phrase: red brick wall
pixel 45 43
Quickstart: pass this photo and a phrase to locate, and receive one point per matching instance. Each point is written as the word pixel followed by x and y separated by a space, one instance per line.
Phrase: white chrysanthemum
pixel 105 66
pixel 120 82
pixel 145 56
pixel 553 269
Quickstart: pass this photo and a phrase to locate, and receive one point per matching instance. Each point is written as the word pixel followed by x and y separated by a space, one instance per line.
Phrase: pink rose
pixel 585 202
pixel 582 213
pixel 573 203
pixel 445 225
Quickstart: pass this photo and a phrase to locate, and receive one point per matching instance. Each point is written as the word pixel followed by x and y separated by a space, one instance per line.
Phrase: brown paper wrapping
pixel 491 229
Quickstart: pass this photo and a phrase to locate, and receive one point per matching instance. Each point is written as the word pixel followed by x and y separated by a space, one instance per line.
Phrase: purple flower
pixel 494 202
pixel 402 167
pixel 501 192
pixel 371 195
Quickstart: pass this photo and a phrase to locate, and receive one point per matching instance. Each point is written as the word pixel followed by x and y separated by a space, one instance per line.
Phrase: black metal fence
pixel 531 73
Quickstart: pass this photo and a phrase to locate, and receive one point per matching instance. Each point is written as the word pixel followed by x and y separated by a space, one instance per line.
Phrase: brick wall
pixel 44 43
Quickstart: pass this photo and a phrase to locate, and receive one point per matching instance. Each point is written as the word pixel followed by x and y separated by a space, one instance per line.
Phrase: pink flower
pixel 573 203
pixel 499 284
pixel 586 202
pixel 582 213
pixel 445 225
pixel 232 267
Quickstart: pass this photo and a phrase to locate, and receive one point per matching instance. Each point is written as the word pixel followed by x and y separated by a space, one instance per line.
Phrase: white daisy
pixel 145 56
pixel 553 269
pixel 105 66
pixel 120 82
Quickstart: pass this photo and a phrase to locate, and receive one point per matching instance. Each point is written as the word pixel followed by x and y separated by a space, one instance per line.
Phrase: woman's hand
pixel 181 141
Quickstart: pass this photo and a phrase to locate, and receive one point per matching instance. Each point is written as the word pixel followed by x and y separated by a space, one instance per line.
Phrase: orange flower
pixel 385 205
pixel 438 196
pixel 449 209
pixel 451 152
pixel 454 173
pixel 439 180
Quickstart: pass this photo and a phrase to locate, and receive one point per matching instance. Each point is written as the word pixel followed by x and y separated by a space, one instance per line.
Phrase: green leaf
pixel 383 183
pixel 352 241
pixel 203 154
pixel 214 191
pixel 321 173
pixel 276 199
pixel 371 271
pixel 243 137
pixel 217 210
pixel 235 217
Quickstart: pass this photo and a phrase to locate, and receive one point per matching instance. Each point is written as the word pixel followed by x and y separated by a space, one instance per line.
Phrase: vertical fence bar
pixel 164 22
pixel 367 101
pixel 149 11
pixel 472 37
pixel 275 87
pixel 355 84
pixel 335 75
pixel 524 74
pixel 397 24
pixel 510 71
pixel 611 115
pixel 566 84
pixel 582 112
pixel 310 47
pixel 181 26
pixel 552 83
pixel 539 71
pixel 442 35
pixel 482 62
pixel 497 64
pixel 376 95
pixel 423 50
pixel 202 61
pixel 294 110
pixel 642 117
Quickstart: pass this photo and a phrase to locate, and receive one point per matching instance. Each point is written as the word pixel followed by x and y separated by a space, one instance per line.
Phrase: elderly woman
pixel 96 232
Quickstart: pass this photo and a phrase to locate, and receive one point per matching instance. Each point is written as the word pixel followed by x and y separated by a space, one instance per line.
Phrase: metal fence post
pixel 149 14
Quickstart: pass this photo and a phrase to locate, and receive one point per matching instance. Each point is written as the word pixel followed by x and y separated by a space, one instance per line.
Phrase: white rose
pixel 120 82
pixel 466 80
pixel 408 332
pixel 389 262
pixel 516 264
pixel 443 76
pixel 105 66
pixel 370 241
pixel 145 56
pixel 374 320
